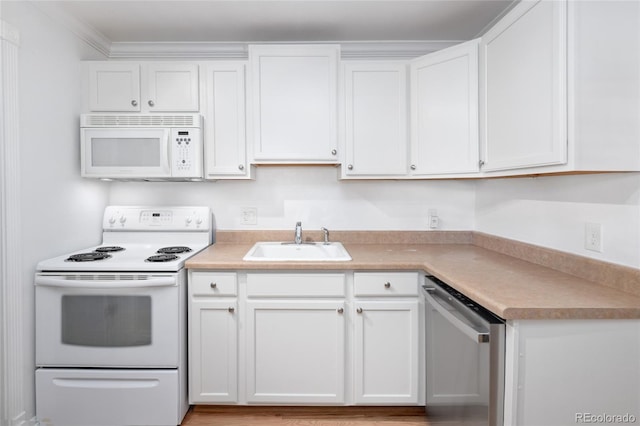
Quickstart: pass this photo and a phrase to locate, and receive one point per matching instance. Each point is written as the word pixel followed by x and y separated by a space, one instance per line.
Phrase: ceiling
pixel 186 21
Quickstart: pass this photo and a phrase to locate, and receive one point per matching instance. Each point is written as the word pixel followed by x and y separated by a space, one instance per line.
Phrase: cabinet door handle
pixel 151 103
pixel 413 167
pixel 213 285
pixel 340 310
pixel 134 103
pixel 359 310
pixel 241 166
pixel 334 152
pixel 232 310
pixel 387 285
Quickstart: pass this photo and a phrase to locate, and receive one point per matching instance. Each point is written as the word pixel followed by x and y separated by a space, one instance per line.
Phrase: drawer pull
pixel 340 310
pixel 387 285
pixel 359 310
pixel 213 285
pixel 232 310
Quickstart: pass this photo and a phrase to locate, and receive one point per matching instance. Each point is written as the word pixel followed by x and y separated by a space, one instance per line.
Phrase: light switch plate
pixel 249 215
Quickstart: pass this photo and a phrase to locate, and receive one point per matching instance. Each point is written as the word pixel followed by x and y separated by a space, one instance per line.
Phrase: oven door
pixel 109 320
pixel 129 153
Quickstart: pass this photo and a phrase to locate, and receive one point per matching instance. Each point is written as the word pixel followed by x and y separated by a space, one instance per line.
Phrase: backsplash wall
pixel 314 196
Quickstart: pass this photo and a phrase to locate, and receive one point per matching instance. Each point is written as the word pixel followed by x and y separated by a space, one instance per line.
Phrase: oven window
pixel 106 321
pixel 125 152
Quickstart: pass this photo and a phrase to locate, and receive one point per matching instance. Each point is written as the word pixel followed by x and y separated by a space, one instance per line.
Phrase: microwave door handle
pixel 473 334
pixel 66 283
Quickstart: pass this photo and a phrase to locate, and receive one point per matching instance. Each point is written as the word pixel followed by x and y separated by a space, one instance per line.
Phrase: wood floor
pixel 310 416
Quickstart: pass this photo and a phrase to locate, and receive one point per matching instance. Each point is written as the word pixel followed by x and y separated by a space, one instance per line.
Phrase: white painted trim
pixel 11 325
pixel 239 50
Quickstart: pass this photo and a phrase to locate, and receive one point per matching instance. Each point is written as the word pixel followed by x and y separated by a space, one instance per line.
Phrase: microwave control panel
pixel 186 152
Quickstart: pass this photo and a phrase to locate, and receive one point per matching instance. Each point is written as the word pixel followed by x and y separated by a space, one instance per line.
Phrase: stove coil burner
pixel 87 257
pixel 162 258
pixel 108 249
pixel 174 250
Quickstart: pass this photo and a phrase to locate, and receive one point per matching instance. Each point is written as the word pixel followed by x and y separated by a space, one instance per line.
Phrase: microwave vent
pixel 140 120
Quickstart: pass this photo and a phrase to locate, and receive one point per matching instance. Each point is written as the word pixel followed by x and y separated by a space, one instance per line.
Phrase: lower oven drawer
pixel 71 397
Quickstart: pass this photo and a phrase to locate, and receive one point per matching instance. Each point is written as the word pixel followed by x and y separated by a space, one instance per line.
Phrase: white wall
pixel 59 210
pixel 313 195
pixel 552 212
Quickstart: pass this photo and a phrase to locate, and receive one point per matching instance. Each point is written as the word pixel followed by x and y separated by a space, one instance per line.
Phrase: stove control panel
pixel 128 218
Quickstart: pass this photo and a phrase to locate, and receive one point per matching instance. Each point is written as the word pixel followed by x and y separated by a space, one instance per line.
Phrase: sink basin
pixel 308 252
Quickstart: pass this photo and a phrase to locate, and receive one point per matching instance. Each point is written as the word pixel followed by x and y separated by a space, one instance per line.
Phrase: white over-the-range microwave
pixel 141 146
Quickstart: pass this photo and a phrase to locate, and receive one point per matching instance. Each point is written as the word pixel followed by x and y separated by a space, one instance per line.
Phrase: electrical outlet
pixel 593 237
pixel 434 220
pixel 249 216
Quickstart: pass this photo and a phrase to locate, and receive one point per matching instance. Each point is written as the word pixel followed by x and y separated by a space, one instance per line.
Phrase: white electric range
pixel 111 321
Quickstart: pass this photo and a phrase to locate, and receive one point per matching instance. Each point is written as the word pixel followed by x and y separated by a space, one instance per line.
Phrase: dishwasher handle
pixel 469 331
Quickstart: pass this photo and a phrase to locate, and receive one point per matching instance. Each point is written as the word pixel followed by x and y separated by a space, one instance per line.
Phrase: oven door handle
pixel 472 333
pixel 66 283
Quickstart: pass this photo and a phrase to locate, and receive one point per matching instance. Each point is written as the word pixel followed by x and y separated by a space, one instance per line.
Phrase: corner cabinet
pixel 375 121
pixel 224 110
pixel 444 112
pixel 141 87
pixel 559 89
pixel 293 97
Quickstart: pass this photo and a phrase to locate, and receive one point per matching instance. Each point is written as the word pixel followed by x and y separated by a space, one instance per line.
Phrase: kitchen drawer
pixel 385 283
pixel 295 285
pixel 213 284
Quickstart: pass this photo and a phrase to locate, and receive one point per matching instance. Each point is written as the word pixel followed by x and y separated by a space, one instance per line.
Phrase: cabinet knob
pixel 413 167
pixel 481 163
pixel 359 310
pixel 340 310
pixel 232 310
pixel 334 152
pixel 240 166
pixel 151 103
pixel 134 103
pixel 387 285
pixel 350 167
pixel 213 285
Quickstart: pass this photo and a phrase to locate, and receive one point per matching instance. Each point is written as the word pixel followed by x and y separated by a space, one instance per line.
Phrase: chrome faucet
pixel 298 236
pixel 326 235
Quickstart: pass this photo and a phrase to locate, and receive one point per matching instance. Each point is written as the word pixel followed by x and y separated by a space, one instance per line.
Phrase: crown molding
pixel 239 50
pixel 85 32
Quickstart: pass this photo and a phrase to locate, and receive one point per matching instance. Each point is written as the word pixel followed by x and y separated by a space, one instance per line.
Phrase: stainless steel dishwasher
pixel 465 358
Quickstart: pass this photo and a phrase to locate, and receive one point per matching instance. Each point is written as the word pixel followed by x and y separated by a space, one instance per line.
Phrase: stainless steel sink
pixel 308 252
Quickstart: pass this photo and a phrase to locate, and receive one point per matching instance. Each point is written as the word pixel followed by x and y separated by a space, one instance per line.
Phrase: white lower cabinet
pixel 386 352
pixel 313 338
pixel 213 338
pixel 295 351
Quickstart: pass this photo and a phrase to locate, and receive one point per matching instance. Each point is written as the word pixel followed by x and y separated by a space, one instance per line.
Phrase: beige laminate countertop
pixel 509 287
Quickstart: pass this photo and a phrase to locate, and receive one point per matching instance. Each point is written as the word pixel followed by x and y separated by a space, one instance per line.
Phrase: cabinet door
pixel 386 352
pixel 295 351
pixel 171 87
pixel 225 135
pixel 375 129
pixel 524 88
pixel 444 108
pixel 294 103
pixel 114 86
pixel 213 350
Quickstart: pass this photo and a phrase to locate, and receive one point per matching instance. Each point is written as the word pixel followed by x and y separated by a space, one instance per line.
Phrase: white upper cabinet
pixel 113 86
pixel 224 114
pixel 375 119
pixel 147 87
pixel 559 89
pixel 444 111
pixel 294 103
pixel 524 80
